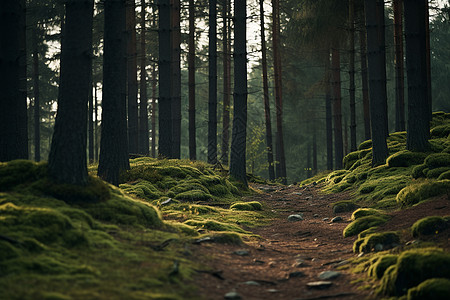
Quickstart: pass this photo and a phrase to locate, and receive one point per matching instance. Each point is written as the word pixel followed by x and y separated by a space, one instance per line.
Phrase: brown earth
pixel 310 246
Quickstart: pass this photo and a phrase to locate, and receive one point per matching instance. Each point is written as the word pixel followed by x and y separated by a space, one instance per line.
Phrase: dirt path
pixel 289 254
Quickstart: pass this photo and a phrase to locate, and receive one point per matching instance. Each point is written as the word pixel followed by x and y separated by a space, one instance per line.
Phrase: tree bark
pixel 176 79
pixel 96 135
pixel 153 111
pixel 269 143
pixel 212 102
pixel 143 143
pixel 191 67
pixel 328 116
pixel 278 90
pixel 13 105
pixel 399 69
pixel 165 82
pixel 351 72
pixel 365 83
pixel 428 52
pixel 337 107
pixel 114 142
pixel 416 67
pixel 132 90
pixel 91 124
pixel 376 56
pixel 36 94
pixel 239 132
pixel 67 159
pixel 226 84
pixel 314 153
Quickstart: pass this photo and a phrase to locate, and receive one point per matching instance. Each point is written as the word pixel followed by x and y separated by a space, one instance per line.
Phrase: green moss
pixel 230 238
pixel 435 173
pixel 435 288
pixel 380 264
pixel 405 158
pixel 247 206
pixel 213 225
pixel 362 224
pixel 143 189
pixel 19 172
pixel 8 251
pixel 421 191
pixel 365 145
pixel 344 206
pixel 429 225
pixel 417 171
pixel 441 131
pixel 386 239
pixel 189 186
pixel 414 267
pixel 193 195
pixel 350 159
pixel 444 175
pixel 363 212
pixel 437 160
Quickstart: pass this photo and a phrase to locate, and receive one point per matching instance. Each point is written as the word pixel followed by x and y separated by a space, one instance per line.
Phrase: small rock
pixel 319 284
pixel 267 189
pixel 205 239
pixel 308 198
pixel 360 254
pixel 251 283
pixel 325 219
pixel 296 274
pixel 260 262
pixel 272 264
pixel 241 252
pixel 336 219
pixel 344 262
pixel 327 275
pixel 298 194
pixel 378 247
pixel 316 215
pixel 314 259
pixel 232 296
pixel 314 183
pixel 272 291
pixel 295 218
pixel 165 202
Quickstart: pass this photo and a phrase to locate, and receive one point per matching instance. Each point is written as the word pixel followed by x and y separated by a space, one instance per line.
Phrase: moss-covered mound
pixel 248 206
pixel 344 206
pixel 436 289
pixel 429 226
pixel 364 223
pixel 376 242
pixel 412 268
pixel 420 191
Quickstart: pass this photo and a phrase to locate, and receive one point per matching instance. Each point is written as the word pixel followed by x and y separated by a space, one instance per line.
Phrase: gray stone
pixel 296 274
pixel 336 219
pixel 319 284
pixel 166 202
pixel 298 194
pixel 325 219
pixel 327 275
pixel 295 218
pixel 316 215
pixel 378 247
pixel 308 198
pixel 251 282
pixel 232 296
pixel 361 254
pixel 272 291
pixel 241 252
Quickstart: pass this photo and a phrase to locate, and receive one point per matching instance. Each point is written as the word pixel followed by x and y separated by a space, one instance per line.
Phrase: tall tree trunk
pixel 269 143
pixel 91 124
pixel 165 82
pixel 132 91
pixel 314 153
pixel 399 69
pixel 226 84
pixel 36 92
pixel 416 68
pixel 278 90
pixel 13 109
pixel 191 67
pixel 328 115
pixel 96 132
pixel 337 106
pixel 143 99
pixel 114 142
pixel 376 56
pixel 22 134
pixel 67 159
pixel 239 132
pixel 212 102
pixel 308 161
pixel 428 52
pixel 153 111
pixel 351 72
pixel 176 79
pixel 365 83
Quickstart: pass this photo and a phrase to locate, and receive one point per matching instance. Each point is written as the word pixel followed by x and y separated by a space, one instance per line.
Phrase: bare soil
pixel 310 246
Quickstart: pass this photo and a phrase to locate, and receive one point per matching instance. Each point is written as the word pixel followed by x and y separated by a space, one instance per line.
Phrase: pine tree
pixel 212 79
pixel 191 66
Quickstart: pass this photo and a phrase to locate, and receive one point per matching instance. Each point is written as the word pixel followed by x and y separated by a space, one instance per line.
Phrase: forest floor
pixel 290 254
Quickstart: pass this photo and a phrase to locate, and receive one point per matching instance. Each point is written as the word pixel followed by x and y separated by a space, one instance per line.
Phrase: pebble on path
pixel 295 218
pixel 319 284
pixel 327 275
pixel 232 296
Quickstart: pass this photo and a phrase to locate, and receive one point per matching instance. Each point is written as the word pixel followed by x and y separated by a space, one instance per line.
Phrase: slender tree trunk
pixel 377 79
pixel 337 105
pixel 36 92
pixel 114 142
pixel 176 79
pixel 91 124
pixel 365 83
pixel 212 102
pixel 269 143
pixel 132 91
pixel 308 161
pixel 154 108
pixel 165 82
pixel 416 68
pixel 143 143
pixel 239 132
pixel 96 131
pixel 67 159
pixel 329 117
pixel 226 85
pixel 399 69
pixel 22 136
pixel 351 72
pixel 278 90
pixel 191 67
pixel 314 153
pixel 13 109
pixel 428 52
pixel 345 137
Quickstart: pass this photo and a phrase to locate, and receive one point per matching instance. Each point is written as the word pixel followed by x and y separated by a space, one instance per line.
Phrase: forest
pixel 224 149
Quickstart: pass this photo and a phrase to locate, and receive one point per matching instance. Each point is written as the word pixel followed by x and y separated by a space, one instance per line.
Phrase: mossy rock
pixel 143 189
pixel 213 225
pixel 362 224
pixel 380 265
pixel 414 267
pixel 437 160
pixel 417 171
pixel 18 172
pixel 367 188
pixel 344 206
pixel 230 238
pixel 435 288
pixel 429 225
pixel 247 206
pixel 435 173
pixel 350 159
pixel 444 175
pixel 441 131
pixel 188 186
pixel 365 145
pixel 405 158
pixel 363 212
pixel 361 237
pixel 193 195
pixel 196 209
pixel 418 192
pixel 387 240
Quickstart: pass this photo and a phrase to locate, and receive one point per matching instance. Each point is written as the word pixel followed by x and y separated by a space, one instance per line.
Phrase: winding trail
pixel 289 254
